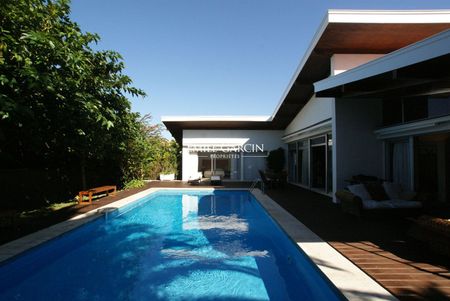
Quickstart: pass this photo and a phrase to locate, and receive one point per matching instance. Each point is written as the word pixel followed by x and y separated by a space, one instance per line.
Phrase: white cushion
pixel 372 204
pixel 393 190
pixel 219 173
pixel 405 204
pixel 195 176
pixel 360 191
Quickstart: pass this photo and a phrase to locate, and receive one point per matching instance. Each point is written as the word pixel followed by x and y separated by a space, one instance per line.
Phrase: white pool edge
pixel 353 283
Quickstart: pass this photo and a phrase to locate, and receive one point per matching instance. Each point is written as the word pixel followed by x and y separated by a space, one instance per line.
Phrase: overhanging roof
pixel 350 32
pixel 176 124
pixel 420 68
pixel 341 31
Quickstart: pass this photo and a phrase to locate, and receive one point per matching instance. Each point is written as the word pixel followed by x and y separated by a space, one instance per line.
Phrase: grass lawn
pixel 15 223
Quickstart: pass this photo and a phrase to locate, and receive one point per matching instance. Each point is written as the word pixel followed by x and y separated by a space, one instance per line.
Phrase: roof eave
pixel 433 47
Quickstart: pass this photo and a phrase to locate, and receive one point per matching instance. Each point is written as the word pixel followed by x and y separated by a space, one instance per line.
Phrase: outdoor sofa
pixel 377 196
pixel 215 177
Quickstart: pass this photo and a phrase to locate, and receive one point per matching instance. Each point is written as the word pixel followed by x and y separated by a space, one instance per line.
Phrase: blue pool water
pixel 171 245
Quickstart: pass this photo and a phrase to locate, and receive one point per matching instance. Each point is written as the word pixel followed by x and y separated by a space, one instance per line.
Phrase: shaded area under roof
pixel 422 68
pixel 424 78
pixel 176 127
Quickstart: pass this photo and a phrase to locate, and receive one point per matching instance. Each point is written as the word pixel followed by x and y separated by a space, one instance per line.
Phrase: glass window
pixel 318 166
pixel 235 171
pixel 292 162
pixel 397 111
pixel 303 166
pixel 204 163
pixel 330 164
pixel 225 165
pixel 311 163
pixel 318 140
pixel 252 165
pixel 303 143
pixel 438 106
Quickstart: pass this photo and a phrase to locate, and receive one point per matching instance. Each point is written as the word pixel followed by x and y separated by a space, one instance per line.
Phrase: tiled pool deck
pixel 351 280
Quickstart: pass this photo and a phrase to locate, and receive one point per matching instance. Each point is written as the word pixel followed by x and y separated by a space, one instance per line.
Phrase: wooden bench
pixel 94 191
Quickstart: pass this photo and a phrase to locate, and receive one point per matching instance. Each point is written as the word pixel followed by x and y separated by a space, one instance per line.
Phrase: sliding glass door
pixel 303 163
pixel 432 166
pixel 318 162
pixel 310 163
pixel 292 162
pixel 226 165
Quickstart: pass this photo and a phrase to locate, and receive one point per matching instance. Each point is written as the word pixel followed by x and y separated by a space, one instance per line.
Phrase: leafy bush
pixel 134 184
pixel 149 153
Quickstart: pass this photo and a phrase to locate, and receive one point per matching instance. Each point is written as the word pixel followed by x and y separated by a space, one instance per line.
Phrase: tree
pixel 149 153
pixel 60 101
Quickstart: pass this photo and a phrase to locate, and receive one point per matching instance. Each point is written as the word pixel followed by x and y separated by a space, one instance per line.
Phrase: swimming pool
pixel 170 245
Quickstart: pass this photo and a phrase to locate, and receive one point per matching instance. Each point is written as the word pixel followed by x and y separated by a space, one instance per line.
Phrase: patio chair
pixel 268 182
pixel 195 179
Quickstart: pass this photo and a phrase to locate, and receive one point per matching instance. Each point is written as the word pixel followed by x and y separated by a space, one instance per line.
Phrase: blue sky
pixel 213 57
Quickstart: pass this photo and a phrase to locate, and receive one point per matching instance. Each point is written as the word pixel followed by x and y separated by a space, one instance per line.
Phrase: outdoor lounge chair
pixel 195 179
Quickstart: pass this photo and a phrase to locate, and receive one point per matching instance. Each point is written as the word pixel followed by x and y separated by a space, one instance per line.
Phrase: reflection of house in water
pixel 213 216
pixel 190 211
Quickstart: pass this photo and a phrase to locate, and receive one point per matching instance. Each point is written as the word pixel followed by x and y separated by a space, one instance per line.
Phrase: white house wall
pixel 189 164
pixel 356 149
pixel 269 138
pixel 315 111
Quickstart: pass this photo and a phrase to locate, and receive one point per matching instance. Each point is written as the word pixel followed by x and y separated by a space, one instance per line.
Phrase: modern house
pixel 371 96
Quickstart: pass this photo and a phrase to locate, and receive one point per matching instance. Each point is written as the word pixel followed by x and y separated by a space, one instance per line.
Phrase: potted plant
pixel 276 160
pixel 167 174
pixel 275 166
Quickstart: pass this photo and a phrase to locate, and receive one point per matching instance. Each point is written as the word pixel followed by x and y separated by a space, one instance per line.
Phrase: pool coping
pixel 353 283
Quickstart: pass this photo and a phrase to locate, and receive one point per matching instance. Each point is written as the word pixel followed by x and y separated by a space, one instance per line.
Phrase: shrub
pixel 136 183
pixel 276 160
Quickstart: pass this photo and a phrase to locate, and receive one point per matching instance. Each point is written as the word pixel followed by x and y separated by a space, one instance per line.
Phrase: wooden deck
pixel 406 279
pixel 379 246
